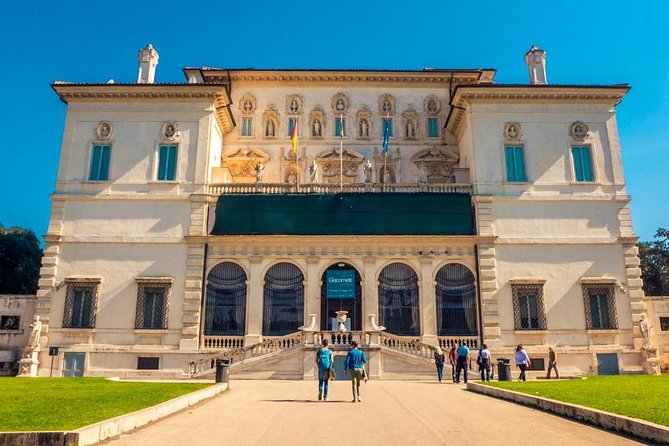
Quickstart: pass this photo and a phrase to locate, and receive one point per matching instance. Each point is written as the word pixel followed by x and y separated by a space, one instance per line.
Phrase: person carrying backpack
pixel 324 363
pixel 483 361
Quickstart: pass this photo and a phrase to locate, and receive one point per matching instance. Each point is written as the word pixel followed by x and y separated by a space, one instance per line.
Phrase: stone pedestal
pixel 28 362
pixel 651 364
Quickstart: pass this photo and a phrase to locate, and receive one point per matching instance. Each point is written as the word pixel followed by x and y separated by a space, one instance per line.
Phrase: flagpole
pixel 385 153
pixel 341 152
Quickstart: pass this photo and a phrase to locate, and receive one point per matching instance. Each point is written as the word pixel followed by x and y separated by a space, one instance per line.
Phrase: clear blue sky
pixel 596 42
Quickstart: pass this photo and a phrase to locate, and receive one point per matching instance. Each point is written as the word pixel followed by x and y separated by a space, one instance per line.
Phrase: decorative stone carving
pixel 387 104
pixel 316 122
pixel 294 104
pixel 340 103
pixel 103 131
pixel 292 165
pixel 328 162
pixel 644 328
pixel 247 104
pixel 169 131
pixel 313 171
pixel 579 131
pixel 512 132
pixel 270 122
pixel 368 171
pixel 241 164
pixel 36 331
pixel 387 165
pixel 410 124
pixel 364 119
pixel 432 105
pixel 439 164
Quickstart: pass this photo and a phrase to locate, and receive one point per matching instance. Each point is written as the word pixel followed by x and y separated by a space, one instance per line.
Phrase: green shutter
pixel 519 164
pixel 587 164
pixel 94 174
pixel 104 163
pixel 515 164
pixel 162 162
pixel 432 127
pixel 582 163
pixel 172 163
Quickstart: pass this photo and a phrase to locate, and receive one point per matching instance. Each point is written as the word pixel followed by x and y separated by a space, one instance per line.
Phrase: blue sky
pixel 596 42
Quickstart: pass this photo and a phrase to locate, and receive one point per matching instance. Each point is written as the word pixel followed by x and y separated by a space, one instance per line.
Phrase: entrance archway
pixel 456 301
pixel 341 294
pixel 283 300
pixel 399 307
pixel 225 309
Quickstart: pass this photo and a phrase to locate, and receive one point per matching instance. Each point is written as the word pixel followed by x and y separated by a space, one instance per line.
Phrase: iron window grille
pixel 456 301
pixel 148 363
pixel 399 307
pixel 600 307
pixel 10 322
pixel 664 323
pixel 153 300
pixel 283 300
pixel 528 306
pixel 225 310
pixel 81 302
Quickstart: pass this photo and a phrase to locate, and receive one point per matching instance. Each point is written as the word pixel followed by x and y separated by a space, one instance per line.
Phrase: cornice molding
pixel 412 78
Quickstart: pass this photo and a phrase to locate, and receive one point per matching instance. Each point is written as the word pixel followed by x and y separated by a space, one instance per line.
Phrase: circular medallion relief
pixel 579 131
pixel 104 130
pixel 169 130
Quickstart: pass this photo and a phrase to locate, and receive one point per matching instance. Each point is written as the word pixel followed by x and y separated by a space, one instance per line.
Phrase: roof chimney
pixel 535 59
pixel 148 59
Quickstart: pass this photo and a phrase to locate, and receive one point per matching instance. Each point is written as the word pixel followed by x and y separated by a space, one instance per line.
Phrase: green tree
pixel 20 259
pixel 654 257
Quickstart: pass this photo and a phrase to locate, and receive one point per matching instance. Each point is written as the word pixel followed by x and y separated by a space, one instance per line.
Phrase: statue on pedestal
pixel 260 173
pixel 368 170
pixel 422 173
pixel 313 171
pixel 36 331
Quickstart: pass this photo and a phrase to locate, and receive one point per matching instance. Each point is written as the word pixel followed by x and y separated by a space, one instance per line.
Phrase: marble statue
pixel 411 130
pixel 270 128
pixel 644 327
pixel 367 170
pixel 422 173
pixel 292 177
pixel 313 171
pixel 316 128
pixel 36 331
pixel 364 128
pixel 260 173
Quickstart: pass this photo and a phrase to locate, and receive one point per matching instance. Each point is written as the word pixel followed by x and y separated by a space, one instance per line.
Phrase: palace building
pixel 244 211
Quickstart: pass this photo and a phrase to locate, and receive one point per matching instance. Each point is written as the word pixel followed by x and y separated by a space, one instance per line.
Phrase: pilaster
pixel 370 285
pixel 312 296
pixel 254 304
pixel 428 302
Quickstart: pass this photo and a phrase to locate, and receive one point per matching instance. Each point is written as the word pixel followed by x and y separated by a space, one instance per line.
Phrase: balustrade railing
pixel 342 338
pixel 446 342
pixel 222 342
pixel 410 345
pixel 331 188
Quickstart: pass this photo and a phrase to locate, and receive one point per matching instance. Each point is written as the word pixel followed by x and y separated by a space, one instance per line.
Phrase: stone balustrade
pixel 222 342
pixel 446 342
pixel 407 344
pixel 330 188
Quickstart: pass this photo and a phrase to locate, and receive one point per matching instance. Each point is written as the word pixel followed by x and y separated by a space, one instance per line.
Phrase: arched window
pixel 399 308
pixel 225 310
pixel 283 298
pixel 456 301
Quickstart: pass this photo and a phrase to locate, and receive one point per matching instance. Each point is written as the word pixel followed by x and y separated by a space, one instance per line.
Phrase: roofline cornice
pixel 466 94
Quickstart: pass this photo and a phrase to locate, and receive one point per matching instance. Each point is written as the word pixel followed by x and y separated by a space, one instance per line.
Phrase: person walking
pixel 355 361
pixel 463 359
pixel 522 361
pixel 324 363
pixel 552 363
pixel 484 362
pixel 453 358
pixel 439 359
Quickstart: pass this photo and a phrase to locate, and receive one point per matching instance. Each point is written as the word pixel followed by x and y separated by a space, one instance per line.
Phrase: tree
pixel 20 259
pixel 654 257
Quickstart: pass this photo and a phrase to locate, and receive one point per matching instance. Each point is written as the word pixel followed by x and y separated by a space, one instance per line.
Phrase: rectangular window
pixel 246 126
pixel 664 323
pixel 80 305
pixel 10 322
pixel 515 164
pixel 152 305
pixel 100 163
pixel 433 127
pixel 167 163
pixel 387 123
pixel 340 126
pixel 528 306
pixel 582 163
pixel 147 363
pixel 600 309
pixel 292 122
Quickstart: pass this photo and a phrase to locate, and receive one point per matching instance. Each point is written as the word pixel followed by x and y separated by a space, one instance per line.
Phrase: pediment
pixel 435 154
pixel 333 155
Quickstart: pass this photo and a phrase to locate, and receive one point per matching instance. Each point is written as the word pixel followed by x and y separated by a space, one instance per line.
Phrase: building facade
pixel 241 210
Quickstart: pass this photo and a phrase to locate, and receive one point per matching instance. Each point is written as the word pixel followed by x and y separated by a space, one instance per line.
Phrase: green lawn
pixel 637 396
pixel 69 403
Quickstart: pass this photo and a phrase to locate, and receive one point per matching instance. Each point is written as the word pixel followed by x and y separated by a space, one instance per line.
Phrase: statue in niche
pixel 367 170
pixel 364 128
pixel 386 176
pixel 422 173
pixel 512 132
pixel 339 106
pixel 316 128
pixel 36 331
pixel 292 177
pixel 260 173
pixel 644 327
pixel 313 171
pixel 294 106
pixel 248 106
pixel 269 131
pixel 411 129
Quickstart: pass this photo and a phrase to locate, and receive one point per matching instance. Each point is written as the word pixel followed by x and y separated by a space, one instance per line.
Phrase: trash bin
pixel 503 369
pixel 223 371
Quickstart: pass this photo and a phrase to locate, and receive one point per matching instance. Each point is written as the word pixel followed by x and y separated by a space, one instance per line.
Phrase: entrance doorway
pixel 338 293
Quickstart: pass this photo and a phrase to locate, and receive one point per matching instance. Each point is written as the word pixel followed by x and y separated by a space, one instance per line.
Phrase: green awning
pixel 344 214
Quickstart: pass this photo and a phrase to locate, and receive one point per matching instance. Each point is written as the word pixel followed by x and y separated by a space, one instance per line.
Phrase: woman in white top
pixel 522 361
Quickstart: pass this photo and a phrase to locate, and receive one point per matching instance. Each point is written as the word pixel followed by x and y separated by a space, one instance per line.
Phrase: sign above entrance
pixel 340 284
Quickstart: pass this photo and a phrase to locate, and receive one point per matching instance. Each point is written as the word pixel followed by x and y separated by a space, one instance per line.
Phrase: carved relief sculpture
pixel 431 105
pixel 439 164
pixel 579 131
pixel 294 104
pixel 247 104
pixel 103 131
pixel 387 104
pixel 391 162
pixel 340 103
pixel 329 165
pixel 168 131
pixel 512 132
pixel 241 164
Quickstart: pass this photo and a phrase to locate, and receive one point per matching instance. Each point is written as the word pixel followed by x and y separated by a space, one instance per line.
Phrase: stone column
pixel 254 304
pixel 428 302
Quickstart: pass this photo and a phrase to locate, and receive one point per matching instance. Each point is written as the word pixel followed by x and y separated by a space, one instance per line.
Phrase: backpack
pixel 323 358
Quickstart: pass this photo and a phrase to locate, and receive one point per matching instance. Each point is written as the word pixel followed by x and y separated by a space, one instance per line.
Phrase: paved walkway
pixel 286 413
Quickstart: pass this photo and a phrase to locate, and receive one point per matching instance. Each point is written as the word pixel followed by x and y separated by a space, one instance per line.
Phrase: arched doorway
pixel 341 290
pixel 456 301
pixel 225 307
pixel 283 300
pixel 399 306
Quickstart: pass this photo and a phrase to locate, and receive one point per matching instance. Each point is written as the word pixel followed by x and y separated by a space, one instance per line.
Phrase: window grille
pixel 664 323
pixel 283 297
pixel 600 307
pixel 153 300
pixel 456 301
pixel 147 363
pixel 10 322
pixel 225 311
pixel 528 307
pixel 81 301
pixel 399 308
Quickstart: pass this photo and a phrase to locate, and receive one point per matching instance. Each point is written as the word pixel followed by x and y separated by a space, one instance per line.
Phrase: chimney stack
pixel 148 59
pixel 535 59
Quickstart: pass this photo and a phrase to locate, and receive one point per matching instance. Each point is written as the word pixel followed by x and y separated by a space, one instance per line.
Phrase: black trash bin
pixel 223 371
pixel 503 369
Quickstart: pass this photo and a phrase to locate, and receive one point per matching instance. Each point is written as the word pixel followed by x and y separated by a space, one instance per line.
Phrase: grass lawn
pixel 637 396
pixel 68 403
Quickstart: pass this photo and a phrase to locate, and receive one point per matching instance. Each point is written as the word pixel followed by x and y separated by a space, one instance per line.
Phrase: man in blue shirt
pixel 355 360
pixel 463 358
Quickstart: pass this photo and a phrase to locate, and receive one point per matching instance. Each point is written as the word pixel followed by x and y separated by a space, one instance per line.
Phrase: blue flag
pixel 386 137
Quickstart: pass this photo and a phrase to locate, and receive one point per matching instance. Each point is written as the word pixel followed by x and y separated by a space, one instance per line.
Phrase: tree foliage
pixel 20 259
pixel 654 257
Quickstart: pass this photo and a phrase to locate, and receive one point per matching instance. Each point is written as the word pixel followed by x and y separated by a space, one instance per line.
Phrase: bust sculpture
pixel 36 331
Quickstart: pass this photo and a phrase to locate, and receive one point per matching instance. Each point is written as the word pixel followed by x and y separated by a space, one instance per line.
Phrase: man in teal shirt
pixel 463 358
pixel 355 360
